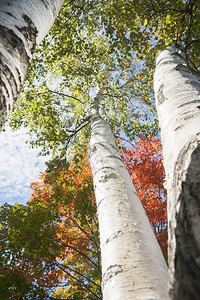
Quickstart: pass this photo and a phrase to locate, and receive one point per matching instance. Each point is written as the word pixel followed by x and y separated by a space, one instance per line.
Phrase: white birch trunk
pixel 133 266
pixel 177 91
pixel 23 25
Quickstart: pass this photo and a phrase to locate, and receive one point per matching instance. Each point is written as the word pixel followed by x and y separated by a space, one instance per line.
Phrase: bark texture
pixel 23 24
pixel 177 91
pixel 133 266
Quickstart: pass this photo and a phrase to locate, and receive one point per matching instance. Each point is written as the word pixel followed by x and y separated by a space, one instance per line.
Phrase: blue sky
pixel 19 166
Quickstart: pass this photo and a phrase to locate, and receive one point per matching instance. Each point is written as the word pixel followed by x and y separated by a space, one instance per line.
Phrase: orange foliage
pixel 144 164
pixel 67 191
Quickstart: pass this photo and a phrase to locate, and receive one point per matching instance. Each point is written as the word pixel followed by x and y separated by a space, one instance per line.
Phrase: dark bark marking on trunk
pixel 115 236
pixel 193 116
pixel 10 78
pixel 179 127
pixel 188 103
pixel 185 69
pixel 181 55
pixel 106 177
pixel 163 62
pixel 112 271
pixel 15 46
pixel 102 169
pixel 102 145
pixel 115 157
pixel 160 96
pixel 94 147
pixel 8 13
pixel 12 42
pixel 46 4
pixel 187 233
pixel 187 112
pixel 2 84
pixel 29 32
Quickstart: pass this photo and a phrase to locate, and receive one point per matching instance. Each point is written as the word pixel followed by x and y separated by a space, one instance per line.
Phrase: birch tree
pixel 133 266
pixel 177 90
pixel 23 25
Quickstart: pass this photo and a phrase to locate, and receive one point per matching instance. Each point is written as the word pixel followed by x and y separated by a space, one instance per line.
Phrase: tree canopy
pixel 109 44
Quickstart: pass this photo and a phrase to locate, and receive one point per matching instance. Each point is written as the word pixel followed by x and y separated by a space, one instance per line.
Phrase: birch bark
pixel 23 25
pixel 133 266
pixel 177 91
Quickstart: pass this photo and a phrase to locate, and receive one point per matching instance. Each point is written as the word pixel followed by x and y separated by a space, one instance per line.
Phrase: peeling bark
pixel 133 266
pixel 23 24
pixel 179 118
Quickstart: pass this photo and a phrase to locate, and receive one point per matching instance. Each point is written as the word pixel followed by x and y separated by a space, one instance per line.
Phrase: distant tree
pixel 50 248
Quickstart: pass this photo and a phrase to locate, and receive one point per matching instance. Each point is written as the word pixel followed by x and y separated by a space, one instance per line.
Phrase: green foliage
pixel 76 57
pixel 21 269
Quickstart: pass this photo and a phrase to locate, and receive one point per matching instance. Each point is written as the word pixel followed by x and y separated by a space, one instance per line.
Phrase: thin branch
pixel 111 95
pixel 65 95
pixel 190 24
pixel 75 132
pixel 193 41
pixel 74 248
pixel 65 5
pixel 78 251
pixel 78 280
pixel 164 10
pixel 77 225
pixel 186 11
pixel 57 298
pixel 194 67
pixel 75 271
pixel 72 12
pixel 119 137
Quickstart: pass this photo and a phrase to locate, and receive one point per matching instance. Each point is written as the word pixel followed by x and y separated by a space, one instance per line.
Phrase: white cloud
pixel 19 166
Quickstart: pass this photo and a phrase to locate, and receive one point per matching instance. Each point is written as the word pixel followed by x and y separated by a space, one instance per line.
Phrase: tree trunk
pixel 177 91
pixel 23 24
pixel 133 266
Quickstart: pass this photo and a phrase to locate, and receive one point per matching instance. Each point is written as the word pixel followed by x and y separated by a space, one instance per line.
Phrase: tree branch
pixel 75 271
pixel 190 24
pixel 193 41
pixel 78 280
pixel 77 225
pixel 65 95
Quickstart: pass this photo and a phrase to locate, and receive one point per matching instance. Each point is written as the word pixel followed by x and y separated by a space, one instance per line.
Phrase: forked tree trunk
pixel 133 266
pixel 177 91
pixel 23 24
